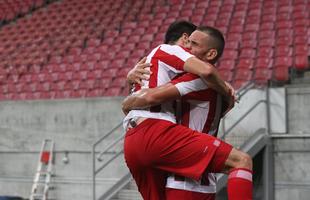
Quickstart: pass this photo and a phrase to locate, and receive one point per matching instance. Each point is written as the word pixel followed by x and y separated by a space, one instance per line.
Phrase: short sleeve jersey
pixel 167 62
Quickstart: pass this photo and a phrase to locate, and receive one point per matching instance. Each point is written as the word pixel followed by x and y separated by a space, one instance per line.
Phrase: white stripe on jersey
pixel 191 86
pixel 192 185
pixel 199 111
pixel 176 51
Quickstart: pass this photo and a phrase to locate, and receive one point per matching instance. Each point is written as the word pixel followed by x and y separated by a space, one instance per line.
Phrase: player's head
pixel 207 43
pixel 179 32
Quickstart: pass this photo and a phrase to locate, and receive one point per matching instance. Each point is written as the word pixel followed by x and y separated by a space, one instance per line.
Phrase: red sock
pixel 239 185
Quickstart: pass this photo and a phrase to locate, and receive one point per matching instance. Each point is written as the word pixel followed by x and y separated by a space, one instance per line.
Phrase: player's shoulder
pixel 173 49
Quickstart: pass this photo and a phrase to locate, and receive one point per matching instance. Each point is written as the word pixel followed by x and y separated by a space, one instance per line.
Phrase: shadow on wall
pixel 11 198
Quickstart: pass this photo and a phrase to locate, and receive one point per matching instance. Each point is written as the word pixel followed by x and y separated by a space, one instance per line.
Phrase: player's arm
pixel 209 74
pixel 147 97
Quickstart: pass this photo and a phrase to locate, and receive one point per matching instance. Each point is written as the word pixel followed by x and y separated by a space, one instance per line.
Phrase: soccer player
pixel 155 145
pixel 200 110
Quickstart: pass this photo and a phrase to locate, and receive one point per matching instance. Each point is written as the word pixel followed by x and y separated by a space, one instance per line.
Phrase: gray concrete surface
pixel 74 125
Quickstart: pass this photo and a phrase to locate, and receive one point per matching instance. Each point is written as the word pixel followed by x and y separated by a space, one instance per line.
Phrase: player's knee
pixel 245 161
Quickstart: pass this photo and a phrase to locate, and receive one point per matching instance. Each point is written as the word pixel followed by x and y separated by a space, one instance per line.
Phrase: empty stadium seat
pixel 301 62
pixel 64 47
pixel 113 91
pixel 262 76
pixel 227 75
pixel 245 63
pixel 281 73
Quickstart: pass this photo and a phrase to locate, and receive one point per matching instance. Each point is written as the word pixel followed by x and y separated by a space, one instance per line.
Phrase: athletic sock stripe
pixel 241 174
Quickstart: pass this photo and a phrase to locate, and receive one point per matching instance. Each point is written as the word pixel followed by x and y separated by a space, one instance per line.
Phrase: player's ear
pixel 185 36
pixel 211 54
pixel 185 39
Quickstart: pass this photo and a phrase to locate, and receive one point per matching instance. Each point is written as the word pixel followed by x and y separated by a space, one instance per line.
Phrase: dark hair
pixel 216 41
pixel 177 29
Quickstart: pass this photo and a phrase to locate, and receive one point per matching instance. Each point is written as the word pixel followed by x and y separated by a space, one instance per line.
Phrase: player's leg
pixel 238 166
pixel 151 183
pixel 139 157
pixel 239 185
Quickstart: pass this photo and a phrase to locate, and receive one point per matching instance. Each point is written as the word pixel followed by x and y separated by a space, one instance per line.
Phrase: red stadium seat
pixel 230 55
pixel 263 62
pixel 236 29
pixel 249 43
pixel 281 74
pixel 301 62
pixel 95 74
pixel 267 26
pixel 112 91
pixel 232 45
pixel 284 32
pixel 104 82
pixel 262 75
pixel 103 64
pixel 284 40
pixel 283 50
pixel 110 73
pixel 226 64
pixel 284 24
pixel 226 75
pixel 249 36
pixel 265 52
pixel 80 75
pixel 243 74
pixel 245 63
pixel 301 39
pixel 119 63
pixel 283 61
pixel 247 53
pixel 95 92
pixel 234 37
pixel 252 27
pixel 301 49
pixel 301 22
pixel 122 55
pixel 237 84
pixel 266 42
pixel 119 82
pixel 268 18
pixel 267 34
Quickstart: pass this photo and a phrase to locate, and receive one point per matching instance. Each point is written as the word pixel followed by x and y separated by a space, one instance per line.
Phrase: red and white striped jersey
pixel 200 109
pixel 167 62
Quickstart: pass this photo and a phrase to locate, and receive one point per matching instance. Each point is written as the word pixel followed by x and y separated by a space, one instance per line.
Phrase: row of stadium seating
pixel 84 48
pixel 10 9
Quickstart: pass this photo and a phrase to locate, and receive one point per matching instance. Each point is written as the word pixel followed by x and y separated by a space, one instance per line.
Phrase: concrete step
pixel 129 195
pixel 132 185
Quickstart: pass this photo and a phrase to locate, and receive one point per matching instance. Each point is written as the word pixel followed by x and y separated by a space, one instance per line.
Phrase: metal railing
pixel 95 171
pixel 242 92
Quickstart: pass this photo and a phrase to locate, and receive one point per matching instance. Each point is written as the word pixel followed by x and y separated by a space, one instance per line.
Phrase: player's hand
pixel 125 108
pixel 140 72
pixel 232 91
pixel 231 99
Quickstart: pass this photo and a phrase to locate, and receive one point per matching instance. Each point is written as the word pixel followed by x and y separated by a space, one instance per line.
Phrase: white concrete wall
pixel 292 150
pixel 74 125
